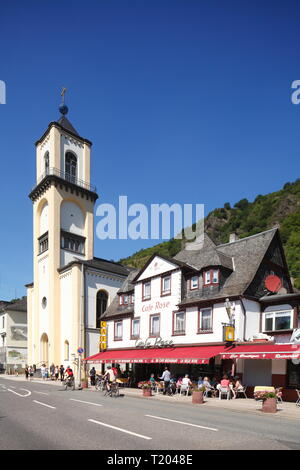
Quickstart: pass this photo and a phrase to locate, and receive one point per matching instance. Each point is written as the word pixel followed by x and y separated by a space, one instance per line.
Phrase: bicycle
pixel 69 383
pixel 112 390
pixel 100 384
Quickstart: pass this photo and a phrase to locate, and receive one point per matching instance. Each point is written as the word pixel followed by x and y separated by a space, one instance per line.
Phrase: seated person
pixel 225 382
pixel 152 380
pixel 238 384
pixel 186 382
pixel 200 382
pixel 173 385
pixel 179 383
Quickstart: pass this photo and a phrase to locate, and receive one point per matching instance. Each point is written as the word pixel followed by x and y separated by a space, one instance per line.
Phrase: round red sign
pixel 273 283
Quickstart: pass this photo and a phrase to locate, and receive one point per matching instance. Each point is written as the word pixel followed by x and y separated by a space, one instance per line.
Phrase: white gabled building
pixel 13 335
pixel 175 311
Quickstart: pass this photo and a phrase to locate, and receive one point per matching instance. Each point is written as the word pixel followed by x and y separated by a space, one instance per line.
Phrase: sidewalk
pixel 240 405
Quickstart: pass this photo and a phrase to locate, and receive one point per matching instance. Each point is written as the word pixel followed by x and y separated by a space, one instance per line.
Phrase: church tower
pixel 63 233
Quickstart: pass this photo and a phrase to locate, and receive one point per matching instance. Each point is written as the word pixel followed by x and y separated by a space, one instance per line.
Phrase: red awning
pixel 264 351
pixel 188 355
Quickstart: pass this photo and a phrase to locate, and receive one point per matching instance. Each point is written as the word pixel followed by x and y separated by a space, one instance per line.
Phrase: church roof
pixel 109 266
pixel 65 124
pixel 101 265
pixel 18 306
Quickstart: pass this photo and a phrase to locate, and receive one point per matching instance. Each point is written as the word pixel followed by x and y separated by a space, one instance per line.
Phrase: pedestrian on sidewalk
pixel 56 372
pixel 30 372
pixel 43 371
pixel 93 375
pixel 26 372
pixel 166 376
pixel 62 373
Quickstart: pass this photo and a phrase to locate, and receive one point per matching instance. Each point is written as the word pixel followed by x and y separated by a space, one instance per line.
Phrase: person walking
pixel 52 371
pixel 26 372
pixel 62 373
pixel 166 376
pixel 93 375
pixel 56 373
pixel 43 371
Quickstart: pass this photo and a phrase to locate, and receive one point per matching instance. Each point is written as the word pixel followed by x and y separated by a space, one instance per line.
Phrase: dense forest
pixel 281 208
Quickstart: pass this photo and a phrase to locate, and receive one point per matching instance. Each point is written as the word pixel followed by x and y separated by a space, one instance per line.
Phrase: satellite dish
pixel 296 361
pixel 273 283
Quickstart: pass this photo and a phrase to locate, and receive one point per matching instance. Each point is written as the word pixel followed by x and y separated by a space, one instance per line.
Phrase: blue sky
pixel 185 101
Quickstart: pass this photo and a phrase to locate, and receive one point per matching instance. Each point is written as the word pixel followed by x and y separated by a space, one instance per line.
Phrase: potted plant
pixel 198 394
pixel 146 386
pixel 84 383
pixel 269 402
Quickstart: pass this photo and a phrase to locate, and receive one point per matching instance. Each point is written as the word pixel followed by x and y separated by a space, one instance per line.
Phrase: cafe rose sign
pixel 155 306
pixel 158 343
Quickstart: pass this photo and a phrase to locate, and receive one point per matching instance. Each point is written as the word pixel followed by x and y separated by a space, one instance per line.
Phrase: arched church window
pixel 71 167
pixel 46 161
pixel 102 298
pixel 67 350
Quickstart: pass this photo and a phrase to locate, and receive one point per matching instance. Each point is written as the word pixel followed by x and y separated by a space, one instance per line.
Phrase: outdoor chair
pixel 224 391
pixel 184 388
pixel 298 400
pixel 241 390
pixel 209 391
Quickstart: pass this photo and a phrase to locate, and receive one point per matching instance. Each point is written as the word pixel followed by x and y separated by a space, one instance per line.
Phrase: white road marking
pixel 88 402
pixel 182 422
pixel 44 404
pixel 23 396
pixel 120 429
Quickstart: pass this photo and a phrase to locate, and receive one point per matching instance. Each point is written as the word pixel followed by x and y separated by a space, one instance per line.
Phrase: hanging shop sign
pixel 228 333
pixel 103 336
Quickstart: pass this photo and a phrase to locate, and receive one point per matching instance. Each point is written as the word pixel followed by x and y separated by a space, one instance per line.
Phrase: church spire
pixel 63 108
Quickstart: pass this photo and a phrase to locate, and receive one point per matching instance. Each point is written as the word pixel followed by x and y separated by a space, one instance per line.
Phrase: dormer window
pixel 211 277
pixel 194 282
pixel 126 299
pixel 147 290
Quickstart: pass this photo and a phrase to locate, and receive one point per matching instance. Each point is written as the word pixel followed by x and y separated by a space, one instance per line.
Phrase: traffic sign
pixel 80 350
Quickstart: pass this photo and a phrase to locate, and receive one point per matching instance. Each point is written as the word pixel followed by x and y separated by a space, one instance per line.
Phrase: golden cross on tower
pixel 63 91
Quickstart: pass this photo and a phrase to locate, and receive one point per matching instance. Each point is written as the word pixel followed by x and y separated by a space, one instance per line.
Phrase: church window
pixel 43 243
pixel 67 350
pixel 101 305
pixel 46 160
pixel 72 242
pixel 71 167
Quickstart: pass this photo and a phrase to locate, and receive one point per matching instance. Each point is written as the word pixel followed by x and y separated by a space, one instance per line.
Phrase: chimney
pixel 233 237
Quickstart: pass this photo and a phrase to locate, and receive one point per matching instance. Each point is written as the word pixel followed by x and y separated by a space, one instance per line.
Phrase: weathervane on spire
pixel 63 108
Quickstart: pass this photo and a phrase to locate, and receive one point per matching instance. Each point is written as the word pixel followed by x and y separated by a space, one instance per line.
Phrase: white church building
pixel 71 288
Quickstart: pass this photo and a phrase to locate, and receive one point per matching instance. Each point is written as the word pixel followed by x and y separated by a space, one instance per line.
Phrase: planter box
pixel 197 397
pixel 269 405
pixel 147 392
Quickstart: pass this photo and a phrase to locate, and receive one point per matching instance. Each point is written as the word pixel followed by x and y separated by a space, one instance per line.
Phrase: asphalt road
pixel 45 417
